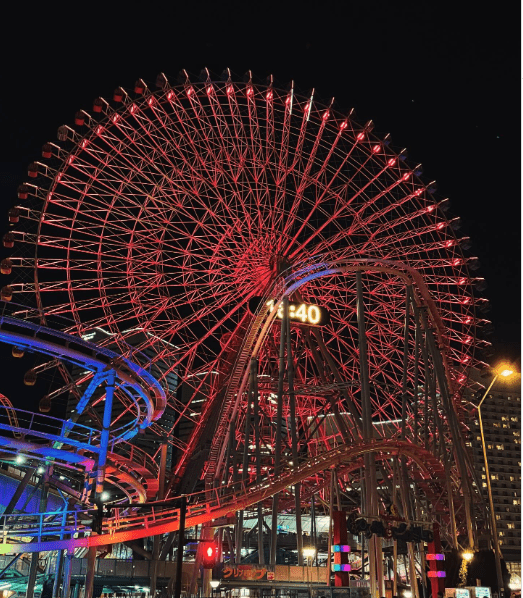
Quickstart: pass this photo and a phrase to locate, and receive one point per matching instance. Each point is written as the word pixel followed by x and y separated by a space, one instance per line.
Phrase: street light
pixel 309 553
pixel 505 371
pixel 214 585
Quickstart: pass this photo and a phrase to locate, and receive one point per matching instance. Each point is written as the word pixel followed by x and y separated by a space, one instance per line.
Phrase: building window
pixel 516 501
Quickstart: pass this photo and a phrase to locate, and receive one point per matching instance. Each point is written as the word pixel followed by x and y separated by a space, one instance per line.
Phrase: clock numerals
pixel 302 312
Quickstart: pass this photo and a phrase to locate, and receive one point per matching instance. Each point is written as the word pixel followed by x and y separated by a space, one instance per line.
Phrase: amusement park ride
pixel 276 278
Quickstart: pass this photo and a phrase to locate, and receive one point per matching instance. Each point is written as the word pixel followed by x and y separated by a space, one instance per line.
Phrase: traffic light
pixel 209 551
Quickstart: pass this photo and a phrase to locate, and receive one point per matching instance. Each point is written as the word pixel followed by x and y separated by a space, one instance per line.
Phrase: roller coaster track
pixel 50 530
pixel 74 446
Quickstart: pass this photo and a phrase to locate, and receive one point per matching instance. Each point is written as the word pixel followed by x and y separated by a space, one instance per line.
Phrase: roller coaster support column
pixel 279 417
pixel 257 442
pixel 68 569
pixel 294 440
pixel 18 493
pixel 156 541
pixel 58 572
pixel 181 544
pixel 100 474
pixel 371 497
pixel 35 555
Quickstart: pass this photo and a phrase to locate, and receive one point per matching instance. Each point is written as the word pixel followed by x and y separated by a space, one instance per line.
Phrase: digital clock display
pixel 301 313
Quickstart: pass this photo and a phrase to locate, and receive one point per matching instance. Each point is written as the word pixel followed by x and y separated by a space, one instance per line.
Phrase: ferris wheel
pixel 174 212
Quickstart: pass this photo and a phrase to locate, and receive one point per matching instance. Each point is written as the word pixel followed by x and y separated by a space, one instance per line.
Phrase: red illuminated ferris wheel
pixel 175 212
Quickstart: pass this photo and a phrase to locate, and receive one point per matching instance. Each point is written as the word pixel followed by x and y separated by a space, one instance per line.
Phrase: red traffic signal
pixel 210 552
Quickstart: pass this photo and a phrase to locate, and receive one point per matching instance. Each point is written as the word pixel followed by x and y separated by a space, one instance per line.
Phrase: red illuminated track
pixel 202 509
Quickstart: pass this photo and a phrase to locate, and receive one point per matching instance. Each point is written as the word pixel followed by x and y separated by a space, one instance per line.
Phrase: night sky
pixel 443 81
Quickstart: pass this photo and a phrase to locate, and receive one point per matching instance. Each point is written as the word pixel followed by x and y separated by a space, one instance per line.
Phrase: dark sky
pixel 443 80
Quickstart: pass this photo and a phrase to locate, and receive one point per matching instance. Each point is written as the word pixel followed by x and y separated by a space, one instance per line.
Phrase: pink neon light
pixel 437 574
pixel 435 557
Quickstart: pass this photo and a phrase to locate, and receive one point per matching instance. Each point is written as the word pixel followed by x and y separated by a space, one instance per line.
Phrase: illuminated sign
pixel 338 567
pixel 300 313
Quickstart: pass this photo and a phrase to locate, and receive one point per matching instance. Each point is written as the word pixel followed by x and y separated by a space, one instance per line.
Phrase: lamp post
pixel 505 371
pixel 215 583
pixel 309 553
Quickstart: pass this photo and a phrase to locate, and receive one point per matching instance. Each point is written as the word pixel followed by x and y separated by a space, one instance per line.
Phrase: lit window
pixel 516 433
pixel 514 419
pixel 500 447
pixel 495 425
pixel 516 501
pixel 483 476
pixel 501 533
pixel 484 484
pixel 510 525
pixel 504 418
pixel 506 425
